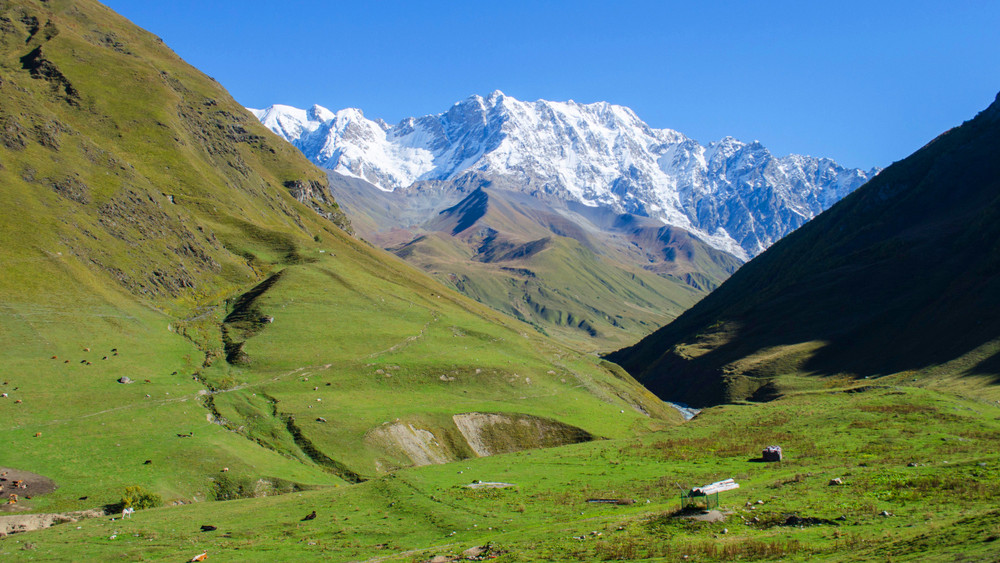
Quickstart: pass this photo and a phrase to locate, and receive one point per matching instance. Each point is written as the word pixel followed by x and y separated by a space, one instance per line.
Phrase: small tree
pixel 139 498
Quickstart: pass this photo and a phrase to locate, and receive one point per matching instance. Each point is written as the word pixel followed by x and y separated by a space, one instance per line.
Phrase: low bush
pixel 139 498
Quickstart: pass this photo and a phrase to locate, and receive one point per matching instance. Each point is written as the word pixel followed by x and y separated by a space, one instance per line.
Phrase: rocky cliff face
pixel 736 196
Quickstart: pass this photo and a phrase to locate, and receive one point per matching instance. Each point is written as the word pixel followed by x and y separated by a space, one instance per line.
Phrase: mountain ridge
pixel 736 196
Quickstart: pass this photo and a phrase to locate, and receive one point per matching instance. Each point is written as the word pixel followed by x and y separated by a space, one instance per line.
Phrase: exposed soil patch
pixel 30 522
pixel 474 434
pixel 23 484
pixel 497 433
pixel 420 445
pixel 708 516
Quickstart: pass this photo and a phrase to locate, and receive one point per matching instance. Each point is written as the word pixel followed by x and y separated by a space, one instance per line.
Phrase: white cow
pixel 128 512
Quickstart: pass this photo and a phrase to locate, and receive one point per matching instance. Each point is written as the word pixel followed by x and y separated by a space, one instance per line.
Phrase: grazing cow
pixel 128 512
pixel 310 516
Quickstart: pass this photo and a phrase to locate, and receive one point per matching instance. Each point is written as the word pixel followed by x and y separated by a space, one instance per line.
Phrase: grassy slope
pixel 941 509
pixel 139 203
pixel 901 276
pixel 581 288
pixel 565 290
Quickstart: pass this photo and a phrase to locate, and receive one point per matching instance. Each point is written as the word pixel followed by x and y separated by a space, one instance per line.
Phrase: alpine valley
pixel 577 218
pixel 201 360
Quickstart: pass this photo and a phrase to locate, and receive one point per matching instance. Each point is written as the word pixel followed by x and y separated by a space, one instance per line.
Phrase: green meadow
pixel 907 492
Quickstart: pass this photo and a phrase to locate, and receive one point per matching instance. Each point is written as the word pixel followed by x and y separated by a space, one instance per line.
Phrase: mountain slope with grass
pixel 577 278
pixel 183 307
pixel 901 277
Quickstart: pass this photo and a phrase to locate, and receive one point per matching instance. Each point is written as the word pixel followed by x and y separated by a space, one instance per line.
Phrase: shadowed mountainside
pixel 901 275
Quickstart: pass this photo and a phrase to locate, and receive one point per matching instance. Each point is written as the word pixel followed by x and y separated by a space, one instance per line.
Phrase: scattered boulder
pixel 125 380
pixel 475 551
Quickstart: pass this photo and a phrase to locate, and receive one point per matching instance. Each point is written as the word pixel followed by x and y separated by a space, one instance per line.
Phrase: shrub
pixel 139 498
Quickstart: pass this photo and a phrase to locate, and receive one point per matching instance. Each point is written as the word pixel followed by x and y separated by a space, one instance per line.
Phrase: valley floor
pixel 918 471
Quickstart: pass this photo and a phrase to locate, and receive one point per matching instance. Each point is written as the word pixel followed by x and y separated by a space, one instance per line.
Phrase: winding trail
pixel 209 392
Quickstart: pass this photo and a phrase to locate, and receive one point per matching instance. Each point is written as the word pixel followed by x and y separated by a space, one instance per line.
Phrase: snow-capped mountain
pixel 736 196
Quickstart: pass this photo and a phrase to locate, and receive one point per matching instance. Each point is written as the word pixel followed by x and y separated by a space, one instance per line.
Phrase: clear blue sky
pixel 863 82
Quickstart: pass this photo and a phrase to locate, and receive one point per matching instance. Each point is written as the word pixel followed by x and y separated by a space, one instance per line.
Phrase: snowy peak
pixel 736 196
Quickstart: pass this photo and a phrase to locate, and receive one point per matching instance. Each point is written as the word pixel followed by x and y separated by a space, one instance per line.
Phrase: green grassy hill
pixel 154 230
pixel 583 286
pixel 901 277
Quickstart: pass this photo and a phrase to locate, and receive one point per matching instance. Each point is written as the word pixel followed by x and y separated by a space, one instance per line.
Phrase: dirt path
pixel 408 340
